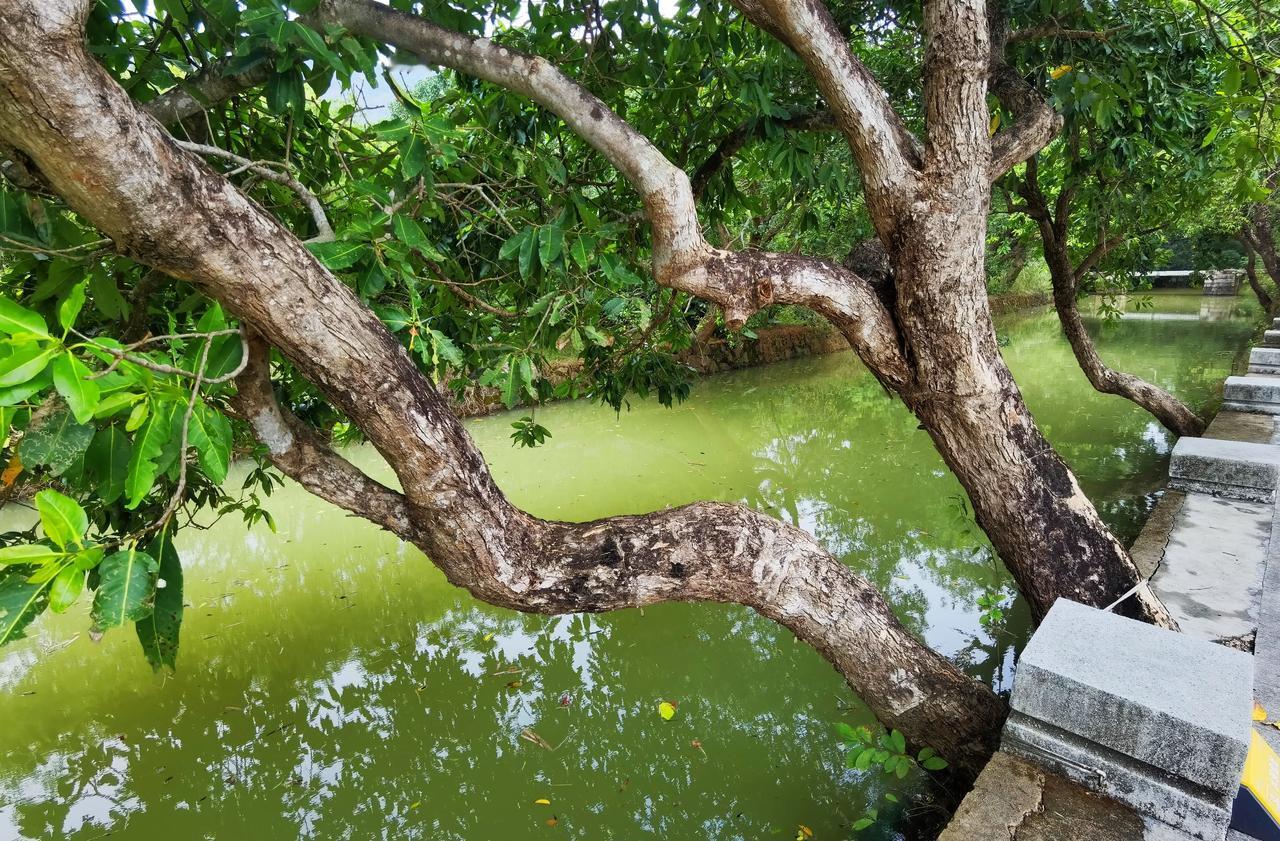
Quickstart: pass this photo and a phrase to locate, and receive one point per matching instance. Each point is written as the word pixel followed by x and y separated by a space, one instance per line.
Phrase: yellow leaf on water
pixel 542 801
pixel 552 821
pixel 415 804
pixel 488 636
pixel 667 710
pixel 803 833
pixel 1060 71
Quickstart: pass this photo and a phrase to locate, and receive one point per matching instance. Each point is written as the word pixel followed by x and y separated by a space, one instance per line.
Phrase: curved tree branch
pixel 740 282
pixel 751 130
pixel 165 208
pixel 191 96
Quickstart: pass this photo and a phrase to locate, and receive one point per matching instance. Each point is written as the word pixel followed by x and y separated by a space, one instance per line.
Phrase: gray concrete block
pixel 1158 720
pixel 1264 360
pixel 1235 469
pixel 1271 338
pixel 1252 394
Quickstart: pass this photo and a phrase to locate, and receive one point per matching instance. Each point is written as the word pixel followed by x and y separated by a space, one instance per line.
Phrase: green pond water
pixel 333 685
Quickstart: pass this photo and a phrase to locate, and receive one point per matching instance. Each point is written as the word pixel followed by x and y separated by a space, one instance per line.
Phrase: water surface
pixel 332 685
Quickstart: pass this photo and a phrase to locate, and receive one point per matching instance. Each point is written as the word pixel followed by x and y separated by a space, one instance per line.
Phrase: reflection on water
pixel 333 685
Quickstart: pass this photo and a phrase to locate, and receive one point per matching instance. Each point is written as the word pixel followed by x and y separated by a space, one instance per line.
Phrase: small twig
pixel 160 367
pixel 468 297
pixel 181 489
pixel 324 232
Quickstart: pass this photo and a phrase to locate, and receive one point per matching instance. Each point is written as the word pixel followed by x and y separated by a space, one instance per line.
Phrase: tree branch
pixel 888 155
pixel 740 282
pixel 1040 33
pixel 324 232
pixel 165 208
pixel 191 96
pixel 748 131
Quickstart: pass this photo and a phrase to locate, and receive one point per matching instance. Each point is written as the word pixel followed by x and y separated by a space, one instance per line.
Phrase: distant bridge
pixel 1216 281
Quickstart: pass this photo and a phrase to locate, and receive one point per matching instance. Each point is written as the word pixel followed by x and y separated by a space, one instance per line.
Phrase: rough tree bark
pixel 1054 227
pixel 936 348
pixel 1260 234
pixel 1251 273
pixel 164 208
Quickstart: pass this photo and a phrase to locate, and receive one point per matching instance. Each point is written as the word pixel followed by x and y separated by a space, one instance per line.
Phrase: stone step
pixel 1252 394
pixel 1264 360
pixel 1234 469
pixel 1155 719
pixel 1271 338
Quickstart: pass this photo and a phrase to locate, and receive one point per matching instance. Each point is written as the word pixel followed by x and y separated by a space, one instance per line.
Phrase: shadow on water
pixel 333 685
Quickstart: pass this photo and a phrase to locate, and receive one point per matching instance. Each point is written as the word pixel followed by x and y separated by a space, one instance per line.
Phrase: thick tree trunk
pixel 1261 236
pixel 163 207
pixel 1251 273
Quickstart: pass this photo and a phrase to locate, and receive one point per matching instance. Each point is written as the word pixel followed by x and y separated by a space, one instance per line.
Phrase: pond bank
pixel 1117 723
pixel 773 343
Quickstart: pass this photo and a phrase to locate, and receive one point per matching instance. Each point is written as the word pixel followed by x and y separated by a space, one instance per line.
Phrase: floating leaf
pixel 542 801
pixel 667 710
pixel 530 736
pixel 552 821
pixel 803 832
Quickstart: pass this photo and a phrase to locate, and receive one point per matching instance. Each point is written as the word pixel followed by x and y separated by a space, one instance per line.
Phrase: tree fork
pixel 164 208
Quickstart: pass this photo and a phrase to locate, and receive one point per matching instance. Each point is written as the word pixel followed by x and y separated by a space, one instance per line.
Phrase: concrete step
pixel 1233 469
pixel 1155 719
pixel 1264 360
pixel 1271 338
pixel 1252 394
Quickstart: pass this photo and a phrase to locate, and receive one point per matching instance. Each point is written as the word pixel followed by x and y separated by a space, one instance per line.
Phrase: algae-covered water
pixel 333 685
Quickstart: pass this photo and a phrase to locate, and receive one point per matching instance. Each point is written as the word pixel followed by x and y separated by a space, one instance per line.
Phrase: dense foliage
pixel 501 250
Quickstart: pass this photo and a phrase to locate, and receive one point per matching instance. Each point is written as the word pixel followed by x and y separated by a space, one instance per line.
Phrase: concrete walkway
pixel 1157 722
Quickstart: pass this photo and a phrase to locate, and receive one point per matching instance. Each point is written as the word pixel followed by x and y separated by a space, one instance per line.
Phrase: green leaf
pixel 336 255
pixel 411 234
pixel 581 252
pixel 15 320
pixel 862 823
pixel 20 602
pixel 515 382
pixel 62 518
pixel 137 417
pixel 159 632
pixel 126 590
pixel 56 443
pixel 413 156
pixel 934 763
pixel 114 403
pixel 210 433
pixel 25 363
pixel 148 446
pixel 863 762
pixel 512 246
pixel 107 461
pixel 71 379
pixel 69 309
pixel 67 586
pixel 550 244
pixel 528 249
pixel 33 553
pixel 898 741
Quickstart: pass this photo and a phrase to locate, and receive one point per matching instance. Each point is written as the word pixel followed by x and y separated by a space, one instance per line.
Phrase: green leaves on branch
pixel 127 589
pixel 158 632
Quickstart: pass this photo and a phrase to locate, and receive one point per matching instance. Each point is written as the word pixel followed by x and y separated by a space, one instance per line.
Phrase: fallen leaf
pixel 803 832
pixel 487 637
pixel 552 821
pixel 415 804
pixel 529 736
pixel 667 709
pixel 515 684
pixel 542 801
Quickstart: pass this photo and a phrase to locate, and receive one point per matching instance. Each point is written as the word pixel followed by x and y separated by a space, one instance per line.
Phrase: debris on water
pixel 530 736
